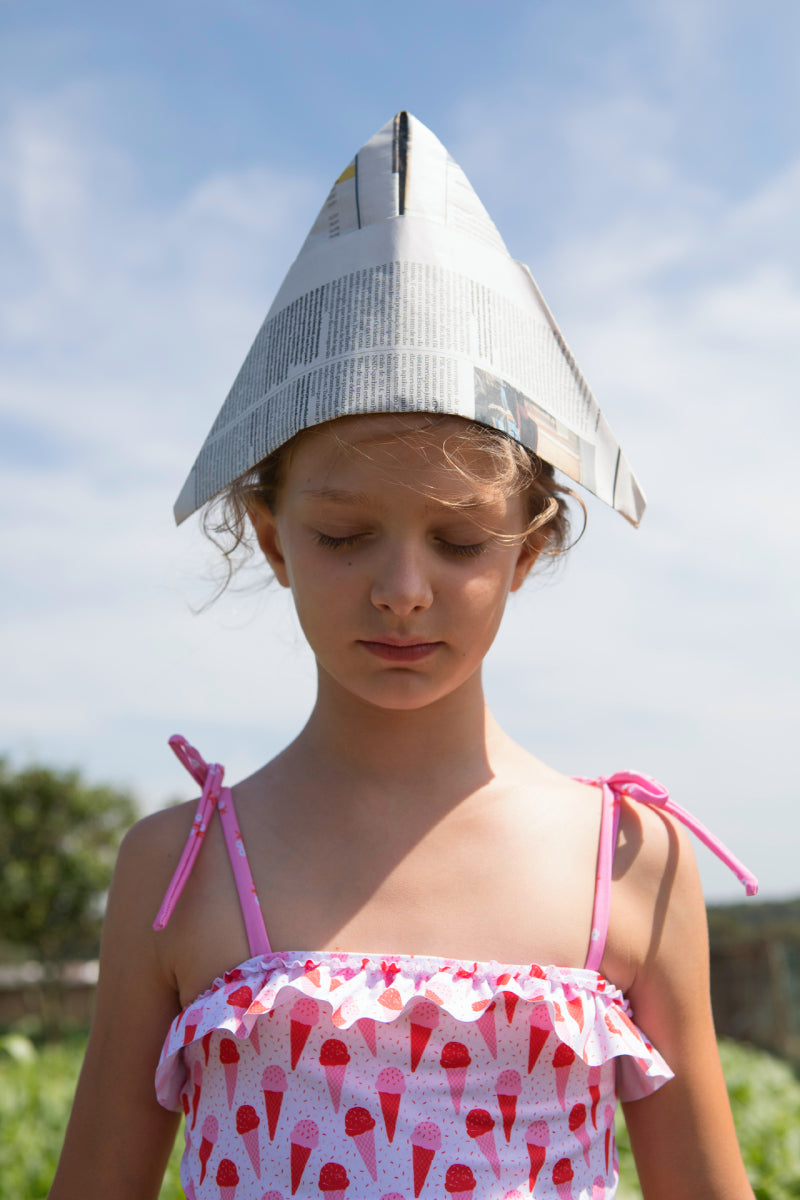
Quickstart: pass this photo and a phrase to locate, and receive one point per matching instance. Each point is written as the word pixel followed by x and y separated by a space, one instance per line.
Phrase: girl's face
pixel 398 587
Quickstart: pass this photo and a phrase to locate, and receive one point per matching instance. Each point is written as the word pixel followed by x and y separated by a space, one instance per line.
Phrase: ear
pixel 266 530
pixel 525 559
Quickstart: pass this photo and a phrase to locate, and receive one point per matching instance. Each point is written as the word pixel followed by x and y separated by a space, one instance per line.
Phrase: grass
pixel 37 1082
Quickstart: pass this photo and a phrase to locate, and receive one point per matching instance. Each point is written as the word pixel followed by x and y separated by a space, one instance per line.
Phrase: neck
pixel 451 741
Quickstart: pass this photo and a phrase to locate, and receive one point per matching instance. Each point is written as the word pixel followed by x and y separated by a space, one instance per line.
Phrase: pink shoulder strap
pixel 210 776
pixel 645 791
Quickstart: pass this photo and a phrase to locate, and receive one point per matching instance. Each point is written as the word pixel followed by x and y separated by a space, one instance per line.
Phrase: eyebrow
pixel 336 495
pixel 341 496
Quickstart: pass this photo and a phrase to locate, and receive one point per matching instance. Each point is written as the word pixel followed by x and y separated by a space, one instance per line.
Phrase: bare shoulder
pixel 152 846
pixel 119 1137
pixel 160 836
pixel 532 773
pixel 658 940
pixel 657 900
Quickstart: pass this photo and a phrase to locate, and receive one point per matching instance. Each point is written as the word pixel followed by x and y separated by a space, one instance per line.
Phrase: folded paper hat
pixel 404 298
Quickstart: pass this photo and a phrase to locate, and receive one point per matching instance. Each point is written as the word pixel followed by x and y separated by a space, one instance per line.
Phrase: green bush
pixel 37 1083
pixel 765 1099
pixel 36 1089
pixel 58 843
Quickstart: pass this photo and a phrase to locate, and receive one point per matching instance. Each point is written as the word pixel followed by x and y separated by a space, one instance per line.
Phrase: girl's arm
pixel 683 1137
pixel 119 1137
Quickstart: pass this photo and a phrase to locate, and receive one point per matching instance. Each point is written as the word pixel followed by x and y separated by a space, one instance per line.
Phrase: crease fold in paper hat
pixel 404 298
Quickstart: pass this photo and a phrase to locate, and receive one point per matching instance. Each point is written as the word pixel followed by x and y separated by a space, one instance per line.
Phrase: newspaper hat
pixel 404 298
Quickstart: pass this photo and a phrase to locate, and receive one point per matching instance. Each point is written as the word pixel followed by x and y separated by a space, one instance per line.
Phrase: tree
pixel 58 843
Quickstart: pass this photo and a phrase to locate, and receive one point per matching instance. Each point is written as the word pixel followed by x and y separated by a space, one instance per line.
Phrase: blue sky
pixel 159 168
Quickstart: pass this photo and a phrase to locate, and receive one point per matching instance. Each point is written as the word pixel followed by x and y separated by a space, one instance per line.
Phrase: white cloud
pixel 150 303
pixel 126 316
pixel 681 301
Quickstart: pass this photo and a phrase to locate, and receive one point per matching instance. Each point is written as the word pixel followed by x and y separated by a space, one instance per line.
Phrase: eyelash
pixel 336 543
pixel 470 550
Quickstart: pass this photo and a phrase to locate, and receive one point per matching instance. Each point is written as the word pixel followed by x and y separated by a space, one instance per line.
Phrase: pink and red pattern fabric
pixel 367 1077
pixel 372 1077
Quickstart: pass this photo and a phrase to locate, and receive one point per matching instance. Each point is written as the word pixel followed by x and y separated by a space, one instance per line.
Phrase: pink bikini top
pixel 342 1075
pixel 615 787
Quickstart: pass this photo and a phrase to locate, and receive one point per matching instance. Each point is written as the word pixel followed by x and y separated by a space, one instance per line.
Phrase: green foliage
pixel 37 1083
pixel 765 1096
pixel 36 1089
pixel 765 1099
pixel 58 843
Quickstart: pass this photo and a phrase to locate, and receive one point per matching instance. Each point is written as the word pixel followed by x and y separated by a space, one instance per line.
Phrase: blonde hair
pixel 486 458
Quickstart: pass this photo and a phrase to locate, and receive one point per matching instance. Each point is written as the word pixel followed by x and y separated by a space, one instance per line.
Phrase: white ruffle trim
pixel 579 1006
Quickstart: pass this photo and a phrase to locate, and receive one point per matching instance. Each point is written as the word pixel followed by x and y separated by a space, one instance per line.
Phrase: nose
pixel 402 584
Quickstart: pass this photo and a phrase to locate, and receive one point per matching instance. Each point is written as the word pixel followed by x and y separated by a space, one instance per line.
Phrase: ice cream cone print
pixel 486 1025
pixel 515 1195
pixel 508 1088
pixel 455 1059
pixel 562 1178
pixel 247 1123
pixel 240 1001
pixel 610 1026
pixel 229 1057
pixel 599 1188
pixel 360 1126
pixel 346 1013
pixel 189 1191
pixel 593 1081
pixel 312 973
pixel 205 1042
pixel 366 1027
pixel 334 1057
pixel 577 1125
pixel 537 1139
pixel 511 1000
pixel 197 1087
pixel 575 1010
pixel 333 1181
pixel 424 1019
pixel 480 1127
pixel 563 1059
pixel 425 1141
pixel 255 1041
pixel 390 1086
pixel 539 1022
pixel 273 1085
pixel 227 1179
pixel 192 1021
pixel 210 1133
pixel 272 1196
pixel 391 999
pixel 609 1121
pixel 305 1138
pixel 459 1182
pixel 304 1015
pixel 393 1196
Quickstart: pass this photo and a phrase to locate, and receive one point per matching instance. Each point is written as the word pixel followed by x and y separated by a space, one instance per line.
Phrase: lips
pixel 396 650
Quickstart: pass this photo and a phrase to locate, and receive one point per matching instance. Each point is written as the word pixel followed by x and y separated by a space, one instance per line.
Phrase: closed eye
pixel 348 540
pixel 337 543
pixel 467 550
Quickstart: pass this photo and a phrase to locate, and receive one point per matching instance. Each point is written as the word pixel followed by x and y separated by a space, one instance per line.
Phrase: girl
pixel 410 959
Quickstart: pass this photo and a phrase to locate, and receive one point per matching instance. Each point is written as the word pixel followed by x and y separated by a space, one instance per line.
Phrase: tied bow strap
pixel 648 791
pixel 209 776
